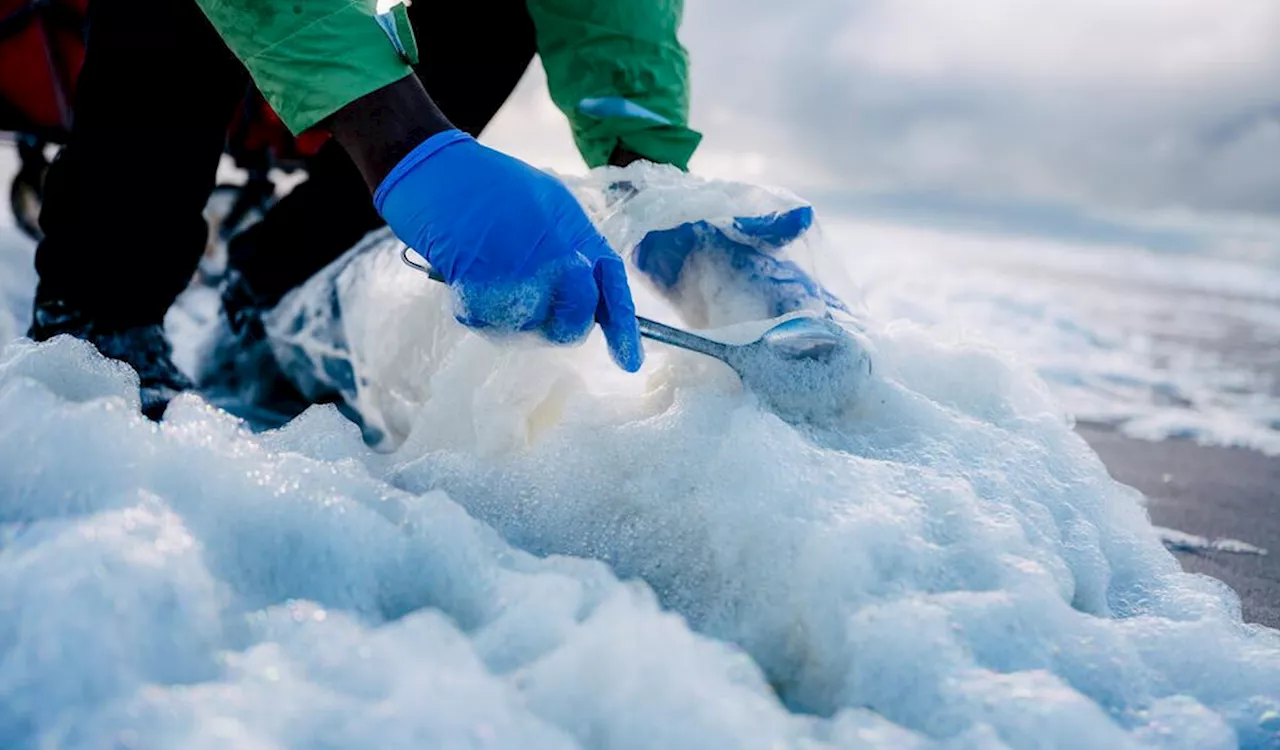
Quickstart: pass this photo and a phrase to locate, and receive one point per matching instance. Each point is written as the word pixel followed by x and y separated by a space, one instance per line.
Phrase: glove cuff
pixel 419 154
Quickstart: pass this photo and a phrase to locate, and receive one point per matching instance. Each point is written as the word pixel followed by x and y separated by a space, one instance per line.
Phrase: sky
pixel 1164 111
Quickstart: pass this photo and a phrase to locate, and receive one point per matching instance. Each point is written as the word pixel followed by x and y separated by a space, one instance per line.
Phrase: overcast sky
pixel 1115 105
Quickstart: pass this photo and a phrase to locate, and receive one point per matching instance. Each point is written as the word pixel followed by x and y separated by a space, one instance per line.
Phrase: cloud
pixel 1141 104
pixel 1127 105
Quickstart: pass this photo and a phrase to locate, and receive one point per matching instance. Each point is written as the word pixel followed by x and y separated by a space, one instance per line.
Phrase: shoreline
pixel 1211 492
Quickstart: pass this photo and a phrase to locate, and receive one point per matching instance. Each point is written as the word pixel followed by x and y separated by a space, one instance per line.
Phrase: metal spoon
pixel 805 369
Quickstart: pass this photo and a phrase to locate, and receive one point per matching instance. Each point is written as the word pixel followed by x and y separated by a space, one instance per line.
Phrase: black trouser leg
pixel 472 54
pixel 123 201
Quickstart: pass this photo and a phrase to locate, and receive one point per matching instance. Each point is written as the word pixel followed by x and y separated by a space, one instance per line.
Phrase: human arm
pixel 619 73
pixel 518 250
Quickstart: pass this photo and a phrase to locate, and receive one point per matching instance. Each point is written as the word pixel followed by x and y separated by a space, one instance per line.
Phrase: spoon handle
pixel 651 329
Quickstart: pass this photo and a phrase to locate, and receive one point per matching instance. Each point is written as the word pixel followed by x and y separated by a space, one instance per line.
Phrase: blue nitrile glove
pixel 750 244
pixel 513 242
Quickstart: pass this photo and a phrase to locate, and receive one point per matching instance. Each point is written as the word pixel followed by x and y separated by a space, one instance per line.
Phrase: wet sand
pixel 1210 492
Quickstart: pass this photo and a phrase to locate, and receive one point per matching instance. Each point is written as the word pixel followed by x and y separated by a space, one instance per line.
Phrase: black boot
pixel 144 348
pixel 242 373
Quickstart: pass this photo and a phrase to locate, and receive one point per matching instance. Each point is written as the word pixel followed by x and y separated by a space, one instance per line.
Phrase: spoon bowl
pixel 805 369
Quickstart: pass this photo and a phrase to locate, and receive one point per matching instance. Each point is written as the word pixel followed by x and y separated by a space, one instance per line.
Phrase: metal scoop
pixel 805 369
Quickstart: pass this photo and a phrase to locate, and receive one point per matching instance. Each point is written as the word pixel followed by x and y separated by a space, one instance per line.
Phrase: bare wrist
pixel 382 127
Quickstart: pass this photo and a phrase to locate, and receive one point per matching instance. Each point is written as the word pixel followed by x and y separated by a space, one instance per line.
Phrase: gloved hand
pixel 750 247
pixel 513 242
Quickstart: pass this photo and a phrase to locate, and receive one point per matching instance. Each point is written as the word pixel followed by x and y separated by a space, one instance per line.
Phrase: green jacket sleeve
pixel 618 72
pixel 310 58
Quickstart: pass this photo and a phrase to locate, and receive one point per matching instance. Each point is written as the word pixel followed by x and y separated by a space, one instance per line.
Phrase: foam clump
pixel 554 554
pixel 191 585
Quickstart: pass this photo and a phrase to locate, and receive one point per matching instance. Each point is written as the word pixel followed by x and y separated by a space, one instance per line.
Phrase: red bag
pixel 41 52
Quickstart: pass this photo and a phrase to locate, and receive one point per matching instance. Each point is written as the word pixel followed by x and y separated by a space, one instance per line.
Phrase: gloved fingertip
pixel 626 350
pixel 775 230
pixel 622 334
pixel 616 314
pixel 802 216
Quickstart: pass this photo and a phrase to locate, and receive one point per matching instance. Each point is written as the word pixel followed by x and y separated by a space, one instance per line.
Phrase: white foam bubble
pixel 555 554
